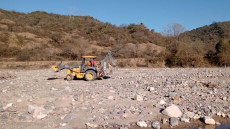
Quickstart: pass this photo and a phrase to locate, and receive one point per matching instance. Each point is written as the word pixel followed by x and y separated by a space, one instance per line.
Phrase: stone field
pixel 129 98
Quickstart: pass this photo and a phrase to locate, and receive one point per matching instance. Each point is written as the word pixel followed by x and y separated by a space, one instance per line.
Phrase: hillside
pixel 210 34
pixel 41 36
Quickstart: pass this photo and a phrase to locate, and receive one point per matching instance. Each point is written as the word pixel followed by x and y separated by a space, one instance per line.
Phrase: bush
pixel 24 55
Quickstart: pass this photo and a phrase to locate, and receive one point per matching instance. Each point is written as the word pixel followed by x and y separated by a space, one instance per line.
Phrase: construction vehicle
pixel 88 72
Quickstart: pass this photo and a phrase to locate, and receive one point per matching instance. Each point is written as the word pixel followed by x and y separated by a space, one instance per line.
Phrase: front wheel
pixel 90 75
pixel 69 77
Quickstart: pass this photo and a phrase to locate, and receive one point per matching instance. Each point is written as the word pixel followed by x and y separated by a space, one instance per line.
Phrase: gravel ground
pixel 35 99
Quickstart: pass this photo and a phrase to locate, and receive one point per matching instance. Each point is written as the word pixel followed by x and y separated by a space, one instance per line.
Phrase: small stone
pixel 7 106
pixel 80 98
pixel 224 98
pixel 173 121
pixel 19 100
pixel 138 98
pixel 123 128
pixel 222 114
pixel 218 123
pixel 172 111
pixel 0 107
pixel 218 113
pixel 24 116
pixel 110 97
pixel 172 94
pixel 142 124
pixel 162 102
pixel 89 125
pixel 63 124
pixel 68 89
pixel 151 89
pixel 164 121
pixel 75 97
pixel 69 116
pixel 4 116
pixel 190 114
pixel 196 117
pixel 209 120
pixel 54 89
pixel 186 120
pixel 38 112
pixel 156 125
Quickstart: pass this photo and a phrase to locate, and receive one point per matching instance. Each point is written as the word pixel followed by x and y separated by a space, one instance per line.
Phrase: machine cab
pixel 88 62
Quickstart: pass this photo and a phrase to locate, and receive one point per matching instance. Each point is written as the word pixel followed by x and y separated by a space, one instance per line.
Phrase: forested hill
pixel 210 34
pixel 44 36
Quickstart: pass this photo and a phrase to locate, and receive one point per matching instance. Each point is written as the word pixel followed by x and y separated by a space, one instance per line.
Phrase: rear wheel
pixel 69 77
pixel 90 75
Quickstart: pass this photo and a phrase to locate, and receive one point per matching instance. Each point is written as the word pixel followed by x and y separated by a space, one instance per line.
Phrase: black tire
pixel 90 75
pixel 69 77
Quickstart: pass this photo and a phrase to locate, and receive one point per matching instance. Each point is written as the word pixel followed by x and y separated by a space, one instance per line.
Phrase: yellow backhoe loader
pixel 87 71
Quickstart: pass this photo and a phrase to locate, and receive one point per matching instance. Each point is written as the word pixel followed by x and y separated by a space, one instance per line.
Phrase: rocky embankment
pixel 156 98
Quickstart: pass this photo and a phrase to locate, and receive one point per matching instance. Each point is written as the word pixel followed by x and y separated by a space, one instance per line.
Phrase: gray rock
pixel 75 97
pixel 24 116
pixel 156 125
pixel 1 107
pixel 4 116
pixel 68 117
pixel 172 94
pixel 173 121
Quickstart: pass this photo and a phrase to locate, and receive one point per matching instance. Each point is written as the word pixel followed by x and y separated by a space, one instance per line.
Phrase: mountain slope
pixel 210 34
pixel 43 36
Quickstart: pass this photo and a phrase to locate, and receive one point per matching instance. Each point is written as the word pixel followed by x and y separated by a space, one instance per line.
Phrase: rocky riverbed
pixel 155 98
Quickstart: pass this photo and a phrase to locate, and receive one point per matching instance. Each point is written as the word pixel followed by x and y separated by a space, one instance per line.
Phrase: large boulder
pixel 172 111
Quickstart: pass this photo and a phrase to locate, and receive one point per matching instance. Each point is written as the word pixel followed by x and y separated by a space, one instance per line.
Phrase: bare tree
pixel 173 30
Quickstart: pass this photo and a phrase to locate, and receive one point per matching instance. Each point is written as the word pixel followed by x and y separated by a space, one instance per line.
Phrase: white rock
pixel 222 114
pixel 89 125
pixel 186 120
pixel 138 98
pixel 19 100
pixel 209 120
pixel 110 97
pixel 63 124
pixel 7 106
pixel 190 114
pixel 142 124
pixel 151 89
pixel 218 113
pixel 196 117
pixel 162 102
pixel 38 112
pixel 172 111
